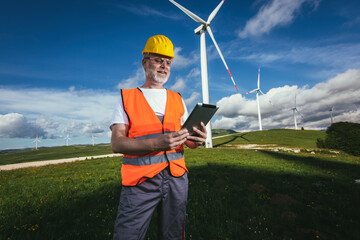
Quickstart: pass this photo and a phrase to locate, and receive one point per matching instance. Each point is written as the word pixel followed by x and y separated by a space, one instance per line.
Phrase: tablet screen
pixel 201 113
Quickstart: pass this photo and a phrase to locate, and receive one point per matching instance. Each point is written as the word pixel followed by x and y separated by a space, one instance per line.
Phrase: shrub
pixel 320 143
pixel 343 136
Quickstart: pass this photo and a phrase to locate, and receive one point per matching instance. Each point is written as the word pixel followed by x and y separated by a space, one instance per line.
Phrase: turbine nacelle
pixel 200 28
pixel 205 26
pixel 255 90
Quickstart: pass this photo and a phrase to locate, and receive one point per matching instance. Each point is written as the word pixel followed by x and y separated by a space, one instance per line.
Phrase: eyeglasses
pixel 160 61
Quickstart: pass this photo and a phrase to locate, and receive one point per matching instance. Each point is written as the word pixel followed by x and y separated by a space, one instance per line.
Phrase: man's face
pixel 157 68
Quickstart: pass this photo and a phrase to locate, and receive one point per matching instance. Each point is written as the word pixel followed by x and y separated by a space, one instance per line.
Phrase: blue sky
pixel 62 63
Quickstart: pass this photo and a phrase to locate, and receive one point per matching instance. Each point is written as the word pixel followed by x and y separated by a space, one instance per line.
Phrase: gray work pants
pixel 137 204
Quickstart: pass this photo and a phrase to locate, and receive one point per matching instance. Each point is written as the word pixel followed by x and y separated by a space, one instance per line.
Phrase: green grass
pixel 233 194
pixel 41 154
pixel 280 137
pixel 220 132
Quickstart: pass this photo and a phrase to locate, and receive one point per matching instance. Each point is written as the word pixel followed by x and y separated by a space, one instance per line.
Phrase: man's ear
pixel 143 62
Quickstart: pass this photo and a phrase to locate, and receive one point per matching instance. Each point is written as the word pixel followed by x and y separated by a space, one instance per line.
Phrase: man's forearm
pixel 132 146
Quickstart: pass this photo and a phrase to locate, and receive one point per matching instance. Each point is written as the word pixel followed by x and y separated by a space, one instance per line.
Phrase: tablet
pixel 201 113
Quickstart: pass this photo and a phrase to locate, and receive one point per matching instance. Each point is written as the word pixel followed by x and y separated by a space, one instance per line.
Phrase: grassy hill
pixel 233 193
pixel 220 132
pixel 53 153
pixel 279 137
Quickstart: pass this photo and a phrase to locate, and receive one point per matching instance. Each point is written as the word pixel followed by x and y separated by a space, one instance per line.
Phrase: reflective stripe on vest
pixel 155 135
pixel 148 160
pixel 144 124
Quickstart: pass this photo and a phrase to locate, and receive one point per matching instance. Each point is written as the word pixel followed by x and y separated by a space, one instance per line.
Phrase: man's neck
pixel 152 86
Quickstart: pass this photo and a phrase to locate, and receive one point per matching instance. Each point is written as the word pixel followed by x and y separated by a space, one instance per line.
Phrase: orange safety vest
pixel 144 124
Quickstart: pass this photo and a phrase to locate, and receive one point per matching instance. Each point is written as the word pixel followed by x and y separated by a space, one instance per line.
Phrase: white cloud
pixel 275 13
pixel 179 85
pixel 71 88
pixel 182 61
pixel 91 129
pixel 143 10
pixel 195 72
pixel 330 55
pixel 342 92
pixel 134 81
pixel 15 125
pixel 334 57
pixel 352 22
pixel 192 99
pixel 54 112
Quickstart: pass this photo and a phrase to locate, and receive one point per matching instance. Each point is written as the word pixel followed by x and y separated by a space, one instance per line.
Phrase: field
pixel 233 194
pixel 10 157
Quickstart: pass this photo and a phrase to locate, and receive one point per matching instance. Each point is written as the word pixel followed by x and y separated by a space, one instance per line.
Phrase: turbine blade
pixel 299 113
pixel 267 98
pixel 214 12
pixel 221 56
pixel 187 12
pixel 251 91
pixel 259 78
pixel 271 103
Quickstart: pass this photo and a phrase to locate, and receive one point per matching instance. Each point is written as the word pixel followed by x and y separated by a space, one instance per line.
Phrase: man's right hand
pixel 170 141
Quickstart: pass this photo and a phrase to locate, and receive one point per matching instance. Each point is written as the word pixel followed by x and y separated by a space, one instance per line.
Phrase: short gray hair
pixel 146 55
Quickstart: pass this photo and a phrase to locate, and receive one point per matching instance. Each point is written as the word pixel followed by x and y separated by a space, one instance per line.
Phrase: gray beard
pixel 154 78
pixel 161 80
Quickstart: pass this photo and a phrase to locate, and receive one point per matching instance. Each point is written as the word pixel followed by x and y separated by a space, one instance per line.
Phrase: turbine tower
pixel 36 141
pixel 67 138
pixel 257 90
pixel 93 139
pixel 205 26
pixel 294 109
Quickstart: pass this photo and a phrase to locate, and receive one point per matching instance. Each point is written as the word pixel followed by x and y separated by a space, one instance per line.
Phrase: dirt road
pixel 51 162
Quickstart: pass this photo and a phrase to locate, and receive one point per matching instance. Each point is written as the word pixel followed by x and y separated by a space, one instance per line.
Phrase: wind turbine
pixel 257 90
pixel 67 138
pixel 36 142
pixel 93 140
pixel 294 109
pixel 205 26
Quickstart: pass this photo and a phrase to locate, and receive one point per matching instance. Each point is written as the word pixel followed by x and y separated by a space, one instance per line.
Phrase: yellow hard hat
pixel 159 44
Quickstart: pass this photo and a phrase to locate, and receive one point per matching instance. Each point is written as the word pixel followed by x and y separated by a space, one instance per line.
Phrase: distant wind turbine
pixel 36 141
pixel 67 138
pixel 205 26
pixel 257 90
pixel 294 109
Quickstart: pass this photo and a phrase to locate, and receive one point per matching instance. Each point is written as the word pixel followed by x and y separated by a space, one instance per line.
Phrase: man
pixel 146 129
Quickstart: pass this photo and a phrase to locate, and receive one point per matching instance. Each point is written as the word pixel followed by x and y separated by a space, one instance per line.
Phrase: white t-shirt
pixel 157 101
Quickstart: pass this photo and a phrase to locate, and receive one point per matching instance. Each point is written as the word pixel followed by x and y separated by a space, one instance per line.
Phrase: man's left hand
pixel 198 138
